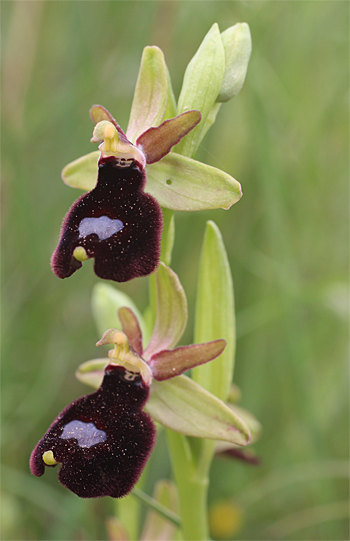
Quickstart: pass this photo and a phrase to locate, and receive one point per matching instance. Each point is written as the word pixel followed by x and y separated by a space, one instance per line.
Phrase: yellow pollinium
pixel 49 459
pixel 114 144
pixel 105 131
pixel 80 254
pixel 125 356
pixel 111 139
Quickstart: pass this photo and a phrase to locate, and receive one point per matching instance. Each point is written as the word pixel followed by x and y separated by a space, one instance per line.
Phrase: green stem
pixel 205 458
pixel 167 244
pixel 128 509
pixel 192 489
pixel 168 236
pixel 156 506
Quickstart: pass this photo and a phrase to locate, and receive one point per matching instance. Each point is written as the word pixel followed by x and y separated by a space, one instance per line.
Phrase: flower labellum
pixel 103 440
pixel 117 223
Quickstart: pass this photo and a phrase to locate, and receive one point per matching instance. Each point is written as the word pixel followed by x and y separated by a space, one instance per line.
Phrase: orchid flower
pixel 133 175
pixel 103 440
pixel 176 401
pixel 116 222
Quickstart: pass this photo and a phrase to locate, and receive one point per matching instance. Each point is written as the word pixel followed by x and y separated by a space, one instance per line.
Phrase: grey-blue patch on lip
pixel 86 433
pixel 103 227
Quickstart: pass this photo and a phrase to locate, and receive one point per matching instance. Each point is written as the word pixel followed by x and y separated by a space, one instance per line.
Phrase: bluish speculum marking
pixel 103 227
pixel 86 433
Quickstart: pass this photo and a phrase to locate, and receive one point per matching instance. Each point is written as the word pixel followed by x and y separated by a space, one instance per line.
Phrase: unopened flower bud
pixel 238 46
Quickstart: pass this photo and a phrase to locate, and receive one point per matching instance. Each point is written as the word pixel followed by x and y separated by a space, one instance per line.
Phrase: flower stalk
pixel 126 223
pixel 192 488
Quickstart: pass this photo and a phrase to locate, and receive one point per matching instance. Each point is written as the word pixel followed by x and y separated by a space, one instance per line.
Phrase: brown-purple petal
pixel 99 113
pixel 131 328
pixel 155 143
pixel 170 363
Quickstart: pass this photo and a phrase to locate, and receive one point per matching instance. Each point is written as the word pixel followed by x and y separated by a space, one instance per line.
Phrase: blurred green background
pixel 285 138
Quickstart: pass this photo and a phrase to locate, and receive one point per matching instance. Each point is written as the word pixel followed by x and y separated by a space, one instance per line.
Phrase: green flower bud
pixel 237 46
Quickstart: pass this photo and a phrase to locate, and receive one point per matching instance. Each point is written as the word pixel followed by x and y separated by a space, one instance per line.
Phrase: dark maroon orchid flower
pixel 117 223
pixel 103 440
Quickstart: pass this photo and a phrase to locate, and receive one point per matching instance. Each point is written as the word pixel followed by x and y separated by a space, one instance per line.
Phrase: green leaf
pixel 171 312
pixel 180 183
pixel 214 316
pixel 184 406
pixel 91 372
pixel 106 301
pixel 237 44
pixel 82 173
pixel 201 86
pixel 151 93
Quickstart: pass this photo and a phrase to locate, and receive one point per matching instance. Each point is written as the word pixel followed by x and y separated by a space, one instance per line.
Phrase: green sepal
pixel 91 372
pixel 252 423
pixel 180 183
pixel 214 317
pixel 211 118
pixel 235 394
pixel 237 44
pixel 177 182
pixel 106 301
pixel 170 111
pixel 250 419
pixel 82 173
pixel 151 93
pixel 184 406
pixel 171 312
pixel 201 86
